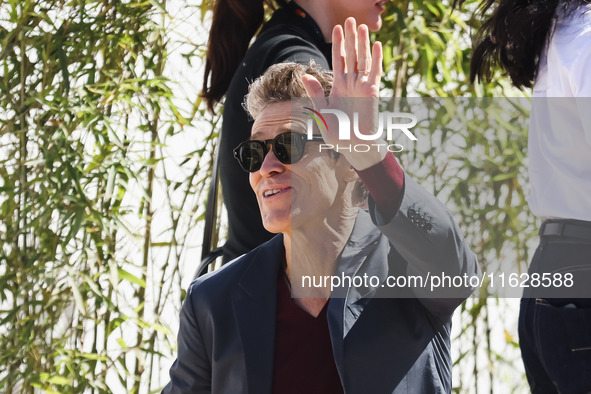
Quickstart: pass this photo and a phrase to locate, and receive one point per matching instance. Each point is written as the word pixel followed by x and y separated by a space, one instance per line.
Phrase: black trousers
pixel 555 323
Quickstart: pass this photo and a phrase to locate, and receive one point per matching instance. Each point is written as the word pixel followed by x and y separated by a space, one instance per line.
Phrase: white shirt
pixel 560 123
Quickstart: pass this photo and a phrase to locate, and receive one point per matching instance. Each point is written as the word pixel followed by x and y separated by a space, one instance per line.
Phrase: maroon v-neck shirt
pixel 303 361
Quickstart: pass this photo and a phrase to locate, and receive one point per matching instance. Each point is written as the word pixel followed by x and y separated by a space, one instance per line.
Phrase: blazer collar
pixel 361 256
pixel 255 309
pixel 365 256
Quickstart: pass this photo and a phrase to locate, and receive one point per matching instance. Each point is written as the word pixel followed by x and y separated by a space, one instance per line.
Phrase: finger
pixel 375 75
pixel 338 51
pixel 313 86
pixel 364 60
pixel 350 46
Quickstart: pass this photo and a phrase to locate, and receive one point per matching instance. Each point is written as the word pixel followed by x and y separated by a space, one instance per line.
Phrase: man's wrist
pixel 366 159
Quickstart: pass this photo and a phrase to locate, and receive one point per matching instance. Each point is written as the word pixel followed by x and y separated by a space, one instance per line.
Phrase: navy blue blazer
pixel 381 344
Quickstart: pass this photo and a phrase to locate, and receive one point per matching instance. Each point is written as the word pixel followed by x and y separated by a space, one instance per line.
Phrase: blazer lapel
pixel 255 310
pixel 366 253
pixel 374 264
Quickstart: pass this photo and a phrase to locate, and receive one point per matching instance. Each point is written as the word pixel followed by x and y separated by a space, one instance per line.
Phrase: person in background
pixel 240 329
pixel 298 31
pixel 547 44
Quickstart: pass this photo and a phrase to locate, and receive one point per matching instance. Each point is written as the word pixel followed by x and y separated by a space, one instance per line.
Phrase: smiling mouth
pixel 273 192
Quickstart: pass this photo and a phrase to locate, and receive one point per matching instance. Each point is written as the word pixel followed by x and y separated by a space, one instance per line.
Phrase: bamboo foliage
pixel 86 112
pixel 101 196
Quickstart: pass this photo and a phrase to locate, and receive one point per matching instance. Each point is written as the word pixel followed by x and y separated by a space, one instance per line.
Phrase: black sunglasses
pixel 288 148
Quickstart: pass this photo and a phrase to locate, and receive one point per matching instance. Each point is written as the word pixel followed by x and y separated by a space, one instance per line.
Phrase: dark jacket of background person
pixel 380 345
pixel 290 35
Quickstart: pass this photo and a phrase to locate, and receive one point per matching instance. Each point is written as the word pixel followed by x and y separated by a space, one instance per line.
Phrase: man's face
pixel 290 195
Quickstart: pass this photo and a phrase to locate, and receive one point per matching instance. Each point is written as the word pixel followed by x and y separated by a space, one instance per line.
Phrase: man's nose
pixel 271 165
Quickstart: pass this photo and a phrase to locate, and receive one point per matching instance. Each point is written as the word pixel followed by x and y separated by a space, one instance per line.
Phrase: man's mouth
pixel 273 192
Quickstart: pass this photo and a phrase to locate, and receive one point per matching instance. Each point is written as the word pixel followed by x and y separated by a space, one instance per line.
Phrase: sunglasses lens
pixel 251 155
pixel 289 147
pixel 282 145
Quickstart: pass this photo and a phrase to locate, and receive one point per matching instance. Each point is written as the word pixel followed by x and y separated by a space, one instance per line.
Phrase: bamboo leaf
pixel 125 275
pixel 78 300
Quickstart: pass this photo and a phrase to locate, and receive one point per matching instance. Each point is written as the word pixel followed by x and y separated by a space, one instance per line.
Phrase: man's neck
pixel 314 251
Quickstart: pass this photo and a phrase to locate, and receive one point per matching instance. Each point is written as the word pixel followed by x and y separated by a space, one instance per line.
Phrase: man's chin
pixel 276 228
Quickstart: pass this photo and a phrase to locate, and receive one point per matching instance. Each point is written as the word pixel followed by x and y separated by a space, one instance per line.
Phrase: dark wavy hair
pixel 234 24
pixel 514 37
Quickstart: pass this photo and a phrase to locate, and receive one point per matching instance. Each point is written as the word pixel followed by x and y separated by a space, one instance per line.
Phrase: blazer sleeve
pixel 425 234
pixel 191 371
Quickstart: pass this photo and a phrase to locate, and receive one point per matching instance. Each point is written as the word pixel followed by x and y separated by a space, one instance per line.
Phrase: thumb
pixel 312 86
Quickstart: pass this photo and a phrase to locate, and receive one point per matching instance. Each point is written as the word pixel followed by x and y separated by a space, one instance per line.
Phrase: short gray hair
pixel 282 82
